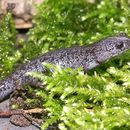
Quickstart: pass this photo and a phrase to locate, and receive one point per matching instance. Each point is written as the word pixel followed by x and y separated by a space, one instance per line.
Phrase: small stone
pixel 19 120
pixel 22 11
pixel 20 23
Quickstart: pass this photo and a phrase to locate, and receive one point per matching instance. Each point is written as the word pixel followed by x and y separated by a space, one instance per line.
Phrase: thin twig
pixel 19 111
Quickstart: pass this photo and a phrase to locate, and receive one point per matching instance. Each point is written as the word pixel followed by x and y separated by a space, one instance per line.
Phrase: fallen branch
pixel 19 111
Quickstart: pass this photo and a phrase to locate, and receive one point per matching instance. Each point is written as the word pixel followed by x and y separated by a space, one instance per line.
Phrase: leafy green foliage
pixel 75 100
pixel 8 53
pixel 65 23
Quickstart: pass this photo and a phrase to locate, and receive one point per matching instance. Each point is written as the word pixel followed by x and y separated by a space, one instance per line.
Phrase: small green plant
pixel 65 23
pixel 74 100
pixel 8 53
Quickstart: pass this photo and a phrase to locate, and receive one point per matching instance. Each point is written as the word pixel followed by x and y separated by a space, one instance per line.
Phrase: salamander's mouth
pixel 127 45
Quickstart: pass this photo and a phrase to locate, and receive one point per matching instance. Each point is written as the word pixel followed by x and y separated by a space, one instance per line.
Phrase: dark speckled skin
pixel 87 57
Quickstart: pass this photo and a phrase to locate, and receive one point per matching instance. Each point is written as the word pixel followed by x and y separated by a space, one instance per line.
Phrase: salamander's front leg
pixel 90 65
pixel 35 82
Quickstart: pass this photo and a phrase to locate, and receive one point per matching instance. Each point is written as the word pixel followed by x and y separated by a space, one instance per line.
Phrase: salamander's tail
pixel 6 87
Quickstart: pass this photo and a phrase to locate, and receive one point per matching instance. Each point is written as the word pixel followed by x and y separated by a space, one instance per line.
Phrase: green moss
pixel 8 53
pixel 65 23
pixel 76 100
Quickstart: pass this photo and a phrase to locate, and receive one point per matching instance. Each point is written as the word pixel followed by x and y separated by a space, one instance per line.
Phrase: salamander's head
pixel 121 44
pixel 113 46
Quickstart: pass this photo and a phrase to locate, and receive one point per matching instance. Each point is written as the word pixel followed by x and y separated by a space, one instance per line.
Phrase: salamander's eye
pixel 122 34
pixel 121 45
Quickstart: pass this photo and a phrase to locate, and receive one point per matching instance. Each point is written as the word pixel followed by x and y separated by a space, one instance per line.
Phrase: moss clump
pixel 65 23
pixel 74 100
pixel 8 52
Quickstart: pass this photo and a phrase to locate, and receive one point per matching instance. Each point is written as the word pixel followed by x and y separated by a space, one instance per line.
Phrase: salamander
pixel 88 57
